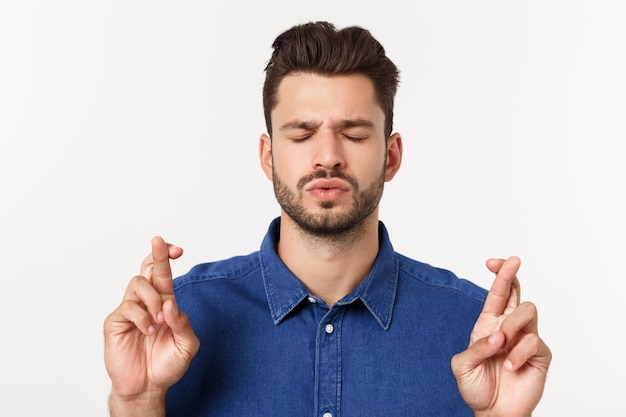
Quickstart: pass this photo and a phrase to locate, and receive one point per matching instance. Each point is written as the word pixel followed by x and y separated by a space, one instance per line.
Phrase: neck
pixel 329 266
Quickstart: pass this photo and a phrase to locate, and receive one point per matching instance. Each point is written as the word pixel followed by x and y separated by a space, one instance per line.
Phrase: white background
pixel 121 120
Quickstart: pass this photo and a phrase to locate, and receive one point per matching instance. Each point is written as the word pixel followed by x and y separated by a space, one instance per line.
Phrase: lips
pixel 327 184
pixel 327 189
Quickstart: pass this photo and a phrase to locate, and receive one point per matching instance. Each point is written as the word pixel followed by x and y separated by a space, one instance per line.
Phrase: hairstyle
pixel 319 48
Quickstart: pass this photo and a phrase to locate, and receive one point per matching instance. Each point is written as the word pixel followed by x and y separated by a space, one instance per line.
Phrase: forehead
pixel 305 96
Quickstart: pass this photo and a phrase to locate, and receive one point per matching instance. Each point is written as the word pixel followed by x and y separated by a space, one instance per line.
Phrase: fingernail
pixel 175 308
pixel 160 316
pixel 508 365
pixel 492 339
pixel 150 329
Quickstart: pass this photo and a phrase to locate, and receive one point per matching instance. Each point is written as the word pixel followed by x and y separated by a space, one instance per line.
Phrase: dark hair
pixel 319 48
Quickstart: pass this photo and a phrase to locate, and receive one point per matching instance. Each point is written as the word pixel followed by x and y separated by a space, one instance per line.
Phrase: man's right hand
pixel 149 343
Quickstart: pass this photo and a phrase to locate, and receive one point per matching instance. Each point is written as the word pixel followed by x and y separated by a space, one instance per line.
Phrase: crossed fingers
pixel 147 292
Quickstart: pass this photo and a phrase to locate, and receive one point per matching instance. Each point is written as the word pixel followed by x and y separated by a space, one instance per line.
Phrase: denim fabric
pixel 270 348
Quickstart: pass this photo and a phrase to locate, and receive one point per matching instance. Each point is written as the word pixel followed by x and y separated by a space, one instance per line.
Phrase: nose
pixel 328 151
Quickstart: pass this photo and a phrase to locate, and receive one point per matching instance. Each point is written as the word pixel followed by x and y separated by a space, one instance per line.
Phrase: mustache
pixel 325 173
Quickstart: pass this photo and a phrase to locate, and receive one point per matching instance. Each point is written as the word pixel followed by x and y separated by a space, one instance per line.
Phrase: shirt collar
pixel 285 291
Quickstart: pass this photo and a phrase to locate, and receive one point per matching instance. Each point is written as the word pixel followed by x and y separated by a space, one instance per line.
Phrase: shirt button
pixel 327 415
pixel 312 300
pixel 329 329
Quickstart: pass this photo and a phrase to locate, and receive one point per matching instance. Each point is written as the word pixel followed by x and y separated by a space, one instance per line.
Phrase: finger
pixel 141 291
pixel 148 262
pixel 146 267
pixel 494 264
pixel 523 319
pixel 186 339
pixel 521 332
pixel 129 313
pixel 504 294
pixel 529 348
pixel 174 251
pixel 466 361
pixel 161 269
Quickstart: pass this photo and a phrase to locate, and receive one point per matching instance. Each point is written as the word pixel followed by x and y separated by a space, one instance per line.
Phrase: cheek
pixel 369 169
pixel 287 169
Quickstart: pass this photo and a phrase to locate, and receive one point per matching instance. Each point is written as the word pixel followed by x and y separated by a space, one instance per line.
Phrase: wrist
pixel 148 404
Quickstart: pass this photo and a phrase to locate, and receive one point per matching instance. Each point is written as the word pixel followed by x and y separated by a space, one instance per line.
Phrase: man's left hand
pixel 504 369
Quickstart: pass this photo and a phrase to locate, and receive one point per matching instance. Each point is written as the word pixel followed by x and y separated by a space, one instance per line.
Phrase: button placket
pixel 328 366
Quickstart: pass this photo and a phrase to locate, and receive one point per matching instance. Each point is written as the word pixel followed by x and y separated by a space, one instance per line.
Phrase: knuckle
pixel 127 307
pixel 135 312
pixel 108 322
pixel 134 286
pixel 534 342
pixel 548 352
pixel 455 365
pixel 137 280
pixel 530 307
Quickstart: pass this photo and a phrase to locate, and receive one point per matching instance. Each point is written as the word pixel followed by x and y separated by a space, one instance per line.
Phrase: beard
pixel 327 222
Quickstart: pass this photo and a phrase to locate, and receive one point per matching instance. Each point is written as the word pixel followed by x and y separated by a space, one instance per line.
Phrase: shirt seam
pixel 423 279
pixel 190 279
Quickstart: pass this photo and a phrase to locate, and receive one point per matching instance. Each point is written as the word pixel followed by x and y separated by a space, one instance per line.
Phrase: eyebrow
pixel 310 125
pixel 299 125
pixel 355 123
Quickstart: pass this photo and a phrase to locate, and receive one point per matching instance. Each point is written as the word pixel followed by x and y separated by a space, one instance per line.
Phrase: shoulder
pixel 439 279
pixel 227 269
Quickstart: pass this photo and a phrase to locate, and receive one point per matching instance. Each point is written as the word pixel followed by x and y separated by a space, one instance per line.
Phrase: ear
pixel 265 155
pixel 394 156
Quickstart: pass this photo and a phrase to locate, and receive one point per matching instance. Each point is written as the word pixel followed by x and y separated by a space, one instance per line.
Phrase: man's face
pixel 328 151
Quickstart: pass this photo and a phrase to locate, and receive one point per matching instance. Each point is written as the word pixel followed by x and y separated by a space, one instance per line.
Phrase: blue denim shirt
pixel 270 348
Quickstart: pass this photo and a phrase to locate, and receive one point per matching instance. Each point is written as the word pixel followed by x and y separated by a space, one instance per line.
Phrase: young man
pixel 325 319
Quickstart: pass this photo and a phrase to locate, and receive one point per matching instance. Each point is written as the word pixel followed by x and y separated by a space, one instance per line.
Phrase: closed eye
pixel 299 139
pixel 355 138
